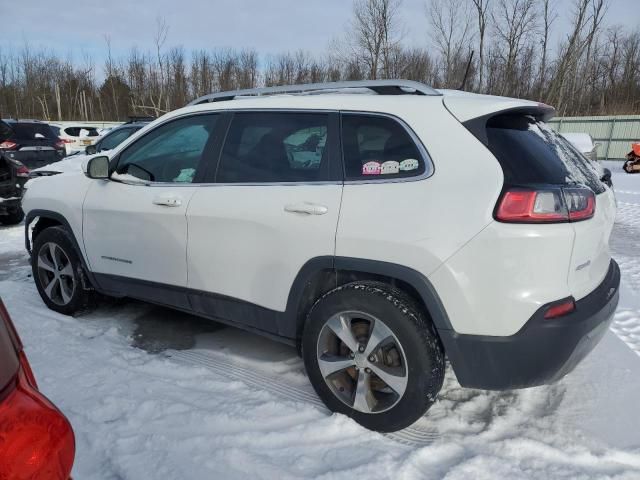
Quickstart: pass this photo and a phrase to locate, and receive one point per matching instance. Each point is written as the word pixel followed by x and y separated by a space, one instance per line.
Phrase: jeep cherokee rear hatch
pixel 547 181
pixel 34 144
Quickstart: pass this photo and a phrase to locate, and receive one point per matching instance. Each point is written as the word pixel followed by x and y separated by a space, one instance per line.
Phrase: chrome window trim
pixel 429 166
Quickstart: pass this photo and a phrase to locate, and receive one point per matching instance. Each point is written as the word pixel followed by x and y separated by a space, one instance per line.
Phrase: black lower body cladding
pixel 542 352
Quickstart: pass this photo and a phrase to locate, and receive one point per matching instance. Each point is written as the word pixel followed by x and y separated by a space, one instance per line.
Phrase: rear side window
pixel 377 147
pixel 81 132
pixel 268 147
pixel 532 153
pixel 32 131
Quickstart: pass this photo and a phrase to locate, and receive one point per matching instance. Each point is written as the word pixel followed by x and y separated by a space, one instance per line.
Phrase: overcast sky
pixel 73 27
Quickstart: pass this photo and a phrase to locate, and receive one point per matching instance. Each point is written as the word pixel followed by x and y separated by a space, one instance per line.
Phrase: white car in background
pixel 583 142
pixel 76 137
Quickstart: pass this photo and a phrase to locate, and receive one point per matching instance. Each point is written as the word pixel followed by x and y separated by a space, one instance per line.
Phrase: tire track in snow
pixel 624 247
pixel 411 436
pixel 626 325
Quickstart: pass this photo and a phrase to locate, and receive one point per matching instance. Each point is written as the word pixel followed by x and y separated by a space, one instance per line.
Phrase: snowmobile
pixel 632 165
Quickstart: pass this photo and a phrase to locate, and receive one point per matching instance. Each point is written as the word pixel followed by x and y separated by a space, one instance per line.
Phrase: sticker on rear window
pixel 409 164
pixel 371 168
pixel 390 166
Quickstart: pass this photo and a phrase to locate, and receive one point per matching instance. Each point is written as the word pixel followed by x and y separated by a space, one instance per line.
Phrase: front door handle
pixel 306 208
pixel 167 200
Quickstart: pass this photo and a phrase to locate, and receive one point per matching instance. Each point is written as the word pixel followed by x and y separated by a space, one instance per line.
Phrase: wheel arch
pixel 46 219
pixel 323 274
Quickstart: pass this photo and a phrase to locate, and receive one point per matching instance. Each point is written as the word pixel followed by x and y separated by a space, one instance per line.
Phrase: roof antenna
pixel 466 72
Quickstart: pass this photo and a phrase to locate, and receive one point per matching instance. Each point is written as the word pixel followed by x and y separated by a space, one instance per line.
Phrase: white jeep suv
pixel 380 226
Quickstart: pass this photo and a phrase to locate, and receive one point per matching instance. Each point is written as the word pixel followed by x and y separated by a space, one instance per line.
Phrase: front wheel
pixel 371 354
pixel 57 271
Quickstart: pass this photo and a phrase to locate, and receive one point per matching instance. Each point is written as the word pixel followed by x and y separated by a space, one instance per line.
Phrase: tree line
pixel 498 47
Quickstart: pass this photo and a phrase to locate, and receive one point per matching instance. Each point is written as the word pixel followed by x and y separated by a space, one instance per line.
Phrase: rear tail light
pixel 545 205
pixel 8 145
pixel 59 144
pixel 22 172
pixel 581 203
pixel 36 440
pixel 560 308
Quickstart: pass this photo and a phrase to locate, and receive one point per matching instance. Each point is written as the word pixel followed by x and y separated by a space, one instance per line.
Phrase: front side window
pixel 263 147
pixel 170 152
pixel 378 148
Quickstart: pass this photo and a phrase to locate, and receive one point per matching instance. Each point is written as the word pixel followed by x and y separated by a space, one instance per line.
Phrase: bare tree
pixel 594 70
pixel 482 14
pixel 549 16
pixel 374 32
pixel 514 23
pixel 570 53
pixel 451 33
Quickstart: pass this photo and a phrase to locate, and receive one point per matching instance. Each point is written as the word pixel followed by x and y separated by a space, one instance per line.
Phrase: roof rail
pixel 381 87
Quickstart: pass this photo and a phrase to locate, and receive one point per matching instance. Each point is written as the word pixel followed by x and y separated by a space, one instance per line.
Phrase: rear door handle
pixel 306 208
pixel 167 200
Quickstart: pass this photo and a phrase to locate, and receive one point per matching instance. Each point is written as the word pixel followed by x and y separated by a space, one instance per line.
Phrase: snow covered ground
pixel 156 394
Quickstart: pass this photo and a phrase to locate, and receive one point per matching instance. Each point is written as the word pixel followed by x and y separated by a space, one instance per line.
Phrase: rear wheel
pixel 372 355
pixel 57 271
pixel 13 217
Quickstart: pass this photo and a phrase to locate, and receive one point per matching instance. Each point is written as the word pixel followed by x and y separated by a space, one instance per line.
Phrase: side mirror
pixel 98 168
pixel 91 150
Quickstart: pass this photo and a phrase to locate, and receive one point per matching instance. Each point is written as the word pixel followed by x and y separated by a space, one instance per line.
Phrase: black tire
pixel 13 217
pixel 79 297
pixel 419 343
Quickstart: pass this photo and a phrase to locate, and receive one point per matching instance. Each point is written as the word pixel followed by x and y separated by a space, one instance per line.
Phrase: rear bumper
pixel 542 352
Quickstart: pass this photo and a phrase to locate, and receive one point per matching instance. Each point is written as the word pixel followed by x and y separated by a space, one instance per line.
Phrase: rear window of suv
pixel 379 148
pixel 532 153
pixel 85 131
pixel 28 131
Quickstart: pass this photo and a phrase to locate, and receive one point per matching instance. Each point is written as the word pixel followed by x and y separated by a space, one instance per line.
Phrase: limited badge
pixel 390 166
pixel 371 168
pixel 409 164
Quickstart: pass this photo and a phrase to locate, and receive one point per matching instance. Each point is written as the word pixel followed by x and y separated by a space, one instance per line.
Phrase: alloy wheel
pixel 55 273
pixel 362 361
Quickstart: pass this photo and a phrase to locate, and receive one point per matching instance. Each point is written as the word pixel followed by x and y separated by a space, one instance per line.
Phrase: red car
pixel 36 439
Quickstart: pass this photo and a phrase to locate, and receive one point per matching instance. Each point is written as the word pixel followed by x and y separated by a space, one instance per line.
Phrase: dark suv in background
pixel 24 145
